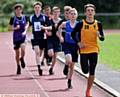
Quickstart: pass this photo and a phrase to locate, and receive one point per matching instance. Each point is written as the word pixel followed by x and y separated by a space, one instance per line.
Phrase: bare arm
pixel 46 28
pixel 11 28
pixel 26 28
pixel 59 32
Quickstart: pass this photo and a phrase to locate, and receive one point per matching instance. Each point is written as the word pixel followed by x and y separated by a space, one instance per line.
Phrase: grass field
pixel 110 51
pixel 3 29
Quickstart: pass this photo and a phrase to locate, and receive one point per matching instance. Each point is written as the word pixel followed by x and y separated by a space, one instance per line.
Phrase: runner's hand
pixel 17 27
pixel 42 27
pixel 61 39
pixel 49 33
pixel 100 37
pixel 81 45
pixel 24 33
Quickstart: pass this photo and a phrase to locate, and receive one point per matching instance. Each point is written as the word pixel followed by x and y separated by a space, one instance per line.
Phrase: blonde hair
pixel 37 3
pixel 18 5
pixel 55 8
pixel 75 10
pixel 67 8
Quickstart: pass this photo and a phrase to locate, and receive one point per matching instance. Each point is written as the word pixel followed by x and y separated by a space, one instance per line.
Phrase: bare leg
pixel 17 61
pixel 22 55
pixel 53 60
pixel 37 54
pixel 68 59
pixel 71 71
pixel 53 55
pixel 17 56
pixel 43 57
pixel 23 50
pixel 89 85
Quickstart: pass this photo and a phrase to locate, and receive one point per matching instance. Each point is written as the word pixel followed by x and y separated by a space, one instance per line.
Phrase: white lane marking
pixel 36 81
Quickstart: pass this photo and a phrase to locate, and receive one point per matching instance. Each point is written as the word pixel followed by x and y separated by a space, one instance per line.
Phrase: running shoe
pixel 18 70
pixel 51 71
pixel 39 70
pixel 65 70
pixel 69 84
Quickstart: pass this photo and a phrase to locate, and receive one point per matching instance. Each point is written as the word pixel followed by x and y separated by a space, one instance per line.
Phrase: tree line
pixel 102 6
pixel 107 6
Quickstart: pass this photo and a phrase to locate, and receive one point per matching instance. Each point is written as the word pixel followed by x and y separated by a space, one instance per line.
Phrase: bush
pixel 108 22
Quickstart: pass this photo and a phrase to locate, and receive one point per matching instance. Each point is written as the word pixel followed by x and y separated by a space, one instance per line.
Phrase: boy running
pixel 70 46
pixel 53 41
pixel 89 29
pixel 47 12
pixel 19 24
pixel 66 17
pixel 38 21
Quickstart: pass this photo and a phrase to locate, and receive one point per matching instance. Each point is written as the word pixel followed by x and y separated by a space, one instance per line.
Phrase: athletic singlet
pixel 17 34
pixel 54 37
pixel 36 23
pixel 89 37
pixel 69 29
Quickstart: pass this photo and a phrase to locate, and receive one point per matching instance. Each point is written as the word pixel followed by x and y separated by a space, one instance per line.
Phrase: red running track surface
pixel 30 83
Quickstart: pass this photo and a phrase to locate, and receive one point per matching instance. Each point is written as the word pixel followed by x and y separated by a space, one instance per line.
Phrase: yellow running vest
pixel 89 38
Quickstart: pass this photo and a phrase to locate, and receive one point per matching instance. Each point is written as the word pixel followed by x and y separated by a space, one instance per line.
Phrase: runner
pixel 47 12
pixel 38 21
pixel 66 17
pixel 19 24
pixel 70 46
pixel 89 29
pixel 53 41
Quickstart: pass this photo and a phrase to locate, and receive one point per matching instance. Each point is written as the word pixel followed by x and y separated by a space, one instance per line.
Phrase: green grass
pixel 3 29
pixel 110 51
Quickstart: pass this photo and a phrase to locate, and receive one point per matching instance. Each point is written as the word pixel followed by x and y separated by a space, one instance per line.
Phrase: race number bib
pixel 37 26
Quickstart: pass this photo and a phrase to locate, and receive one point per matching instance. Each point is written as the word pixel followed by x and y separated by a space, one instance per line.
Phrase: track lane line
pixel 35 80
pixel 38 83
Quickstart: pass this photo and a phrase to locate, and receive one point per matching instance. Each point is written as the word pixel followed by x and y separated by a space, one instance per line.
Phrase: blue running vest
pixel 69 29
pixel 17 34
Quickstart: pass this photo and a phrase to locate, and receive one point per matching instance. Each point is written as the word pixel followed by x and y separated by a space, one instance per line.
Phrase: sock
pixel 39 66
pixel 69 80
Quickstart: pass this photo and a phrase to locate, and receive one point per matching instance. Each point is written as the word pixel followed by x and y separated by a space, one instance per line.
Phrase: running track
pixel 30 83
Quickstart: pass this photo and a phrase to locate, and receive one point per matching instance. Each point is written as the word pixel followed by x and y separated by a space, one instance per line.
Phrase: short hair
pixel 67 8
pixel 74 9
pixel 18 5
pixel 55 8
pixel 89 5
pixel 37 3
pixel 46 7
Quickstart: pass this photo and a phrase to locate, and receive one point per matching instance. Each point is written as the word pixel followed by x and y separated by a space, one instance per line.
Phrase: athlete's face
pixel 47 11
pixel 66 14
pixel 37 9
pixel 56 13
pixel 90 12
pixel 73 15
pixel 18 11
